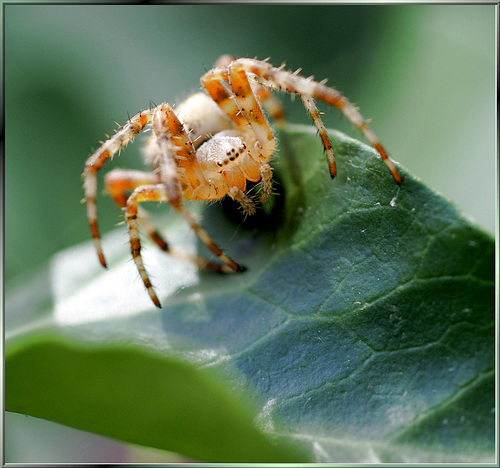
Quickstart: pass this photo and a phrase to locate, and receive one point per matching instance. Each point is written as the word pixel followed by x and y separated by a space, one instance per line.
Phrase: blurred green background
pixel 425 74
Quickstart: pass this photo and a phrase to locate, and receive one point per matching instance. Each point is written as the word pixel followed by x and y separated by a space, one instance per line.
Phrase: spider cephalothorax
pixel 208 148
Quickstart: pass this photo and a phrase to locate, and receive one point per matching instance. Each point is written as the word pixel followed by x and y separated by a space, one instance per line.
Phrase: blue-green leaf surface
pixel 363 329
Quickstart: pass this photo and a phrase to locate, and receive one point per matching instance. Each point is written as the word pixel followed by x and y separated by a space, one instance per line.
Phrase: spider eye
pixel 222 150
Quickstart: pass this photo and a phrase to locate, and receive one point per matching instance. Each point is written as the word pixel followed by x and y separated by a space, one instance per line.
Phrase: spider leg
pixel 134 216
pixel 244 200
pixel 148 226
pixel 177 144
pixel 310 105
pixel 294 83
pixel 120 183
pixel 266 184
pixel 164 122
pixel 216 84
pixel 263 94
pixel 140 194
pixel 272 105
pixel 251 109
pixel 106 151
pixel 234 95
pixel 230 265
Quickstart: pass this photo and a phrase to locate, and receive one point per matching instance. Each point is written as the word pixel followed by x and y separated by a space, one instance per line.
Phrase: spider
pixel 209 148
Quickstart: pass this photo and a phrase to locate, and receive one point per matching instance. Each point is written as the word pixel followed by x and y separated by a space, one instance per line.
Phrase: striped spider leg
pixel 263 93
pixel 308 89
pixel 120 183
pixel 106 151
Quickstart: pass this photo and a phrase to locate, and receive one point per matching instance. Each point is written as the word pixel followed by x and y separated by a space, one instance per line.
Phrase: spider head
pixel 233 151
pixel 226 161
pixel 222 152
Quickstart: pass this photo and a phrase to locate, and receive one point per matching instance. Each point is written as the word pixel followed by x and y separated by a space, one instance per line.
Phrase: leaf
pixel 363 330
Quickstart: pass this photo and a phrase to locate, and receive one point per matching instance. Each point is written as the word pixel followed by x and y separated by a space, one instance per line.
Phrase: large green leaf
pixel 363 329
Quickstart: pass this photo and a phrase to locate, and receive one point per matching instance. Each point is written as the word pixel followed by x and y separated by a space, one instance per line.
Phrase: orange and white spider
pixel 209 148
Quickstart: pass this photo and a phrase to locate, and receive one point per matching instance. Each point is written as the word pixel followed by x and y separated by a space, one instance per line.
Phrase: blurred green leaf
pixel 363 329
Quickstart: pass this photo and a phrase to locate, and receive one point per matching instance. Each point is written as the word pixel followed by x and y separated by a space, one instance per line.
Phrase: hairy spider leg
pixel 168 172
pixel 178 142
pixel 267 182
pixel 264 95
pixel 272 105
pixel 143 193
pixel 293 83
pixel 169 190
pixel 251 109
pixel 106 151
pixel 244 200
pixel 310 106
pixel 216 83
pixel 120 183
pixel 159 192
